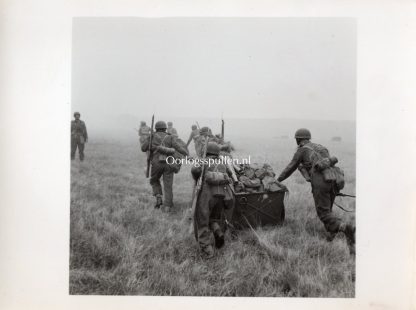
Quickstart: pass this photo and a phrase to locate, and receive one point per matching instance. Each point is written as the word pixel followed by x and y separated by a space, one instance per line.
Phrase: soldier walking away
pixel 79 136
pixel 144 132
pixel 163 145
pixel 204 133
pixel 193 136
pixel 309 159
pixel 172 130
pixel 215 203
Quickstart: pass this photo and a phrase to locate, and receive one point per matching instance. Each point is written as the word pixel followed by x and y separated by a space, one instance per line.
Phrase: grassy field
pixel 120 245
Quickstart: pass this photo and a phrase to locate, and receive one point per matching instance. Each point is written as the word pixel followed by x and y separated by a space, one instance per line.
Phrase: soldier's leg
pixel 167 187
pixel 201 223
pixel 73 147
pixel 217 222
pixel 81 151
pixel 156 174
pixel 323 197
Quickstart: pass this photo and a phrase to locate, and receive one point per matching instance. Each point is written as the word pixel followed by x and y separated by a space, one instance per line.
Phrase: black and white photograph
pixel 219 154
pixel 213 157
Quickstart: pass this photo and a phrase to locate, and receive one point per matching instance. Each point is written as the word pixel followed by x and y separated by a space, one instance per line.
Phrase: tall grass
pixel 120 245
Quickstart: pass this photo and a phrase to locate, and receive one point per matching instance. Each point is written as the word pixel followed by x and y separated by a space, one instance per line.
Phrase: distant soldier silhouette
pixel 193 136
pixel 163 145
pixel 324 191
pixel 204 133
pixel 144 132
pixel 79 136
pixel 215 203
pixel 171 130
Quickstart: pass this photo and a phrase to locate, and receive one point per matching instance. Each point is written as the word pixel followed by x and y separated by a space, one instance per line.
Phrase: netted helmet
pixel 160 125
pixel 302 133
pixel 213 148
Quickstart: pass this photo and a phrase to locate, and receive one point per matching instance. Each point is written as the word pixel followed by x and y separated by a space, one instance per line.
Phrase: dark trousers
pixel 162 169
pixel 209 217
pixel 324 194
pixel 76 143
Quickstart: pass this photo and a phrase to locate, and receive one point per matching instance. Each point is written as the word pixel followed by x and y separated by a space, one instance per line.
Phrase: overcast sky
pixel 301 68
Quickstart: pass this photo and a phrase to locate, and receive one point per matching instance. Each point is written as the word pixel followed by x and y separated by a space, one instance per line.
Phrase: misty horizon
pixel 240 68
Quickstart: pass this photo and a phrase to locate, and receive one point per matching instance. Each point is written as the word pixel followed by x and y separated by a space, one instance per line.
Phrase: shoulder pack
pixel 324 164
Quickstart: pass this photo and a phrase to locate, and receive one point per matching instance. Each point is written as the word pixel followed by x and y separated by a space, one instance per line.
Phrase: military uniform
pixel 324 193
pixel 160 167
pixel 204 134
pixel 79 136
pixel 172 131
pixel 214 206
pixel 193 136
pixel 144 132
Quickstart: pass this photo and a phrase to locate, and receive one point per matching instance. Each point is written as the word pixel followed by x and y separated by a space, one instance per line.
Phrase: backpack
pixel 219 184
pixel 323 163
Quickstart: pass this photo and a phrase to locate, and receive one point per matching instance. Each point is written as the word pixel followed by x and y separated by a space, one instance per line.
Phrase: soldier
pixel 144 132
pixel 193 136
pixel 215 203
pixel 163 145
pixel 204 133
pixel 79 136
pixel 172 130
pixel 324 192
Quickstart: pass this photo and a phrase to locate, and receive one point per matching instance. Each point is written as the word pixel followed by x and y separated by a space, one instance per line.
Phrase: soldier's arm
pixel 85 133
pixel 190 139
pixel 178 147
pixel 296 160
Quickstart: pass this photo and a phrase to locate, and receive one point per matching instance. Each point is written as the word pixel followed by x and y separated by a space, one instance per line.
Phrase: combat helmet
pixel 160 125
pixel 204 130
pixel 303 133
pixel 213 148
pixel 170 124
pixel 77 113
pixel 193 127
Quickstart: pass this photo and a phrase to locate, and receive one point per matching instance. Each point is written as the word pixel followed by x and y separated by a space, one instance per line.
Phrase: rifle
pixel 198 126
pixel 222 130
pixel 198 188
pixel 149 157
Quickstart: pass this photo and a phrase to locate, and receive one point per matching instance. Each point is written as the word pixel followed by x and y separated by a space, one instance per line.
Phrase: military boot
pixel 159 201
pixel 218 235
pixel 219 238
